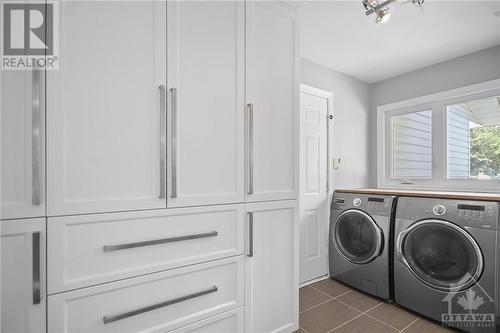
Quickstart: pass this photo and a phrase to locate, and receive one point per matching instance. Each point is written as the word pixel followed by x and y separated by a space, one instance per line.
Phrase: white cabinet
pixel 227 322
pixel 106 108
pixel 23 300
pixel 206 43
pixel 87 250
pixel 272 267
pixel 22 157
pixel 158 302
pixel 272 95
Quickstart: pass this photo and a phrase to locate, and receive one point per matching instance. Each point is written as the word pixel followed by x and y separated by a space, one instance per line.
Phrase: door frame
pixel 329 96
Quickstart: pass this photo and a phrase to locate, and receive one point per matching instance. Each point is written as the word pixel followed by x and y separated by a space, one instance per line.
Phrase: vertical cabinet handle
pixel 163 141
pixel 250 234
pixel 173 100
pixel 36 268
pixel 36 120
pixel 250 148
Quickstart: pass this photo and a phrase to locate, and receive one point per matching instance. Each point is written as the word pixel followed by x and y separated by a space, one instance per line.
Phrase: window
pixel 412 145
pixel 474 139
pixel 449 140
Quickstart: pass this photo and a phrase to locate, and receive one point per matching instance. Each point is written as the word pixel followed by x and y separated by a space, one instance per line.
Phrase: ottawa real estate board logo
pixel 471 308
pixel 29 35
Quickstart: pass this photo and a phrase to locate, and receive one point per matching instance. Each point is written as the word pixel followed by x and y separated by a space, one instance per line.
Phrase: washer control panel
pixel 475 211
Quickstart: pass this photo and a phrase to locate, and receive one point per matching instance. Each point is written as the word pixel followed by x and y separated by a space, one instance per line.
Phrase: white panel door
pixel 272 95
pixel 272 267
pixel 206 57
pixel 22 140
pixel 314 207
pixel 106 109
pixel 22 280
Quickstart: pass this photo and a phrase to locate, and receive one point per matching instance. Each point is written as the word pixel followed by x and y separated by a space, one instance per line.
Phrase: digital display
pixel 471 207
pixel 376 199
pixel 339 201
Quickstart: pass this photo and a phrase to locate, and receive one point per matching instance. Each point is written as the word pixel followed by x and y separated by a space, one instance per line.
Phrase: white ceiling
pixel 338 35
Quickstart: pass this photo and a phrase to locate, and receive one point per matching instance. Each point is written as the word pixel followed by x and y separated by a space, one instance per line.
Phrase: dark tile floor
pixel 329 306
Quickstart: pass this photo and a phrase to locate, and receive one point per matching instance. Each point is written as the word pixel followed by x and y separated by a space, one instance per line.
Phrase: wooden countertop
pixel 428 194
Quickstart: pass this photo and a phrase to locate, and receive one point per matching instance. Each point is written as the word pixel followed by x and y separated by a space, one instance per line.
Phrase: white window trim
pixel 436 102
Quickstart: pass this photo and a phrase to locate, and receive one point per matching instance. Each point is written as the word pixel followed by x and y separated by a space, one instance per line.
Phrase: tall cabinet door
pixel 22 157
pixel 271 96
pixel 22 280
pixel 205 68
pixel 272 286
pixel 106 108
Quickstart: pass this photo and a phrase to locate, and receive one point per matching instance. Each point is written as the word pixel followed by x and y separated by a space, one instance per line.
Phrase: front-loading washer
pixel 445 261
pixel 360 241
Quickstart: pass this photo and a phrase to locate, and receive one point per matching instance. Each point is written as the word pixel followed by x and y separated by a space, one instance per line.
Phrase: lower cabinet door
pixel 156 302
pixel 272 286
pixel 22 280
pixel 227 322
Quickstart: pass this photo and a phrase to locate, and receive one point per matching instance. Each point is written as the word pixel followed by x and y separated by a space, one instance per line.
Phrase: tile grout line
pixel 352 307
pixel 413 322
pixel 300 327
pixel 386 324
pixel 315 306
pixel 332 297
pixel 362 313
pixel 352 319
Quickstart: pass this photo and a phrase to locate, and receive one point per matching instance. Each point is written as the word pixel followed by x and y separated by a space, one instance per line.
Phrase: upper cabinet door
pixel 106 108
pixel 22 157
pixel 206 41
pixel 272 95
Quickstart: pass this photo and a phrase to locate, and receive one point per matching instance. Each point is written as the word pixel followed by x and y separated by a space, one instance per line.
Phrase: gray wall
pixel 351 124
pixel 355 105
pixel 474 68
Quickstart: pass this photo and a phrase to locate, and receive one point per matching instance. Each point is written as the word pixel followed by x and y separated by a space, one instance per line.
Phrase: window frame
pixel 437 103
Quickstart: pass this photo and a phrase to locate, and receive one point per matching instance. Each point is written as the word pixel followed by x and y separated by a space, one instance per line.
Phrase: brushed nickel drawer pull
pixel 110 319
pixel 250 234
pixel 109 248
pixel 173 119
pixel 36 268
pixel 163 141
pixel 250 148
pixel 36 128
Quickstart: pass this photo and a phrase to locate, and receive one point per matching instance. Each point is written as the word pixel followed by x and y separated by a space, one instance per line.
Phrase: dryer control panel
pixel 371 204
pixel 474 211
pixel 475 214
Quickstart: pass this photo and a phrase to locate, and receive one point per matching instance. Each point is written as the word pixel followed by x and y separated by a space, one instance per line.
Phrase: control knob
pixel 439 210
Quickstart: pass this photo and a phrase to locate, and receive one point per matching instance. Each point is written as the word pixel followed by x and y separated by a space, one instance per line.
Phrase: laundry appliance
pixel 360 241
pixel 445 261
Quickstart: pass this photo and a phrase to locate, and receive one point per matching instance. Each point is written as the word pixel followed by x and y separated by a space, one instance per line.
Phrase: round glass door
pixel 358 238
pixel 441 254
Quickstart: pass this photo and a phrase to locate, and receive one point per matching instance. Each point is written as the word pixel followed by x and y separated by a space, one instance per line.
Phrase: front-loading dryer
pixel 360 237
pixel 445 261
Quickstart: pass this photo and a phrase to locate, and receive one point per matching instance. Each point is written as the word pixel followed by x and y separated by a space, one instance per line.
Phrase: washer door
pixel 357 237
pixel 440 254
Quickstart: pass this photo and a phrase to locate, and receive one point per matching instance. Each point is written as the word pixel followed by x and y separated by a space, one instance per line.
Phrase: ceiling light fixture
pixel 383 10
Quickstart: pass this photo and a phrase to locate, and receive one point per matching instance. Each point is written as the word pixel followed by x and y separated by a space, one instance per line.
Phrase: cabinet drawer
pixel 155 302
pixel 92 249
pixel 227 322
